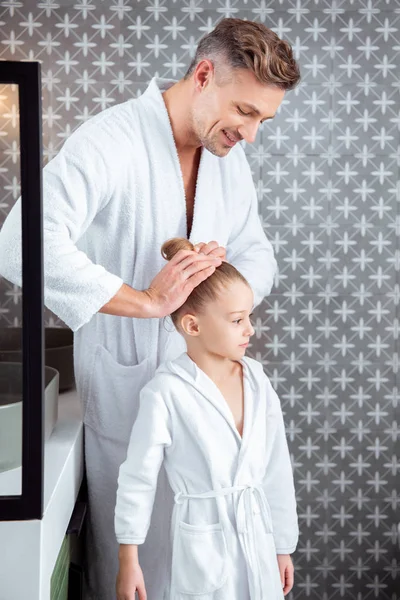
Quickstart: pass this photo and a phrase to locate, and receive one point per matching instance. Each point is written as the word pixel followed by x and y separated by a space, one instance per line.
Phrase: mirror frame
pixel 29 505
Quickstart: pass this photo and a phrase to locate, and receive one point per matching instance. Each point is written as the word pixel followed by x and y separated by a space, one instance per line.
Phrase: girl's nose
pixel 250 330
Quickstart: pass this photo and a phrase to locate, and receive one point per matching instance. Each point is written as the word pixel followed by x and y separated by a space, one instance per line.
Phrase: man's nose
pixel 249 132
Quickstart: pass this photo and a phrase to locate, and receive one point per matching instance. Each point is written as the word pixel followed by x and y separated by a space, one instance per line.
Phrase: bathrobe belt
pixel 246 508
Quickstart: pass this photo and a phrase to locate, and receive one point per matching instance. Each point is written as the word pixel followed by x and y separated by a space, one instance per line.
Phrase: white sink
pixel 11 411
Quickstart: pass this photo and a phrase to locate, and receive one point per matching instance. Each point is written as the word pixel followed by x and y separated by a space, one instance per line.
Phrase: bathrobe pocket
pixel 200 560
pixel 113 396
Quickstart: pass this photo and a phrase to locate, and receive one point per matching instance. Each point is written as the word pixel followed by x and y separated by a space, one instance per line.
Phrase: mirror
pixel 22 373
pixel 11 374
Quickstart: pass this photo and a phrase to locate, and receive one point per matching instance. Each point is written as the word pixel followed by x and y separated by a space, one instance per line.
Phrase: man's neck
pixel 177 101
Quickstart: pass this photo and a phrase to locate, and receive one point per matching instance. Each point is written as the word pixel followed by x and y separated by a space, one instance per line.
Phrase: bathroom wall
pixel 327 174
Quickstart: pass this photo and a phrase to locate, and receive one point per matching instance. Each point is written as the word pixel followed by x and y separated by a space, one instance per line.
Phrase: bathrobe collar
pixel 153 104
pixel 157 86
pixel 185 368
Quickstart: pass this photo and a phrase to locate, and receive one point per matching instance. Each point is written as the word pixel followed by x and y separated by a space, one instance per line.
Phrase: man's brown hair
pixel 250 45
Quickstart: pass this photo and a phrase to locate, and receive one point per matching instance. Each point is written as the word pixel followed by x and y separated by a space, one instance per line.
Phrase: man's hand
pixel 171 287
pixel 211 249
pixel 286 571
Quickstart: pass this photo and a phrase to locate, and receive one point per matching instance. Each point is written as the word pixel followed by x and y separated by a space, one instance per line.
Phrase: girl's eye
pixel 246 114
pixel 238 321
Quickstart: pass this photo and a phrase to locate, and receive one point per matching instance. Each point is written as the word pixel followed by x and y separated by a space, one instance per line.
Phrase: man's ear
pixel 203 73
pixel 190 325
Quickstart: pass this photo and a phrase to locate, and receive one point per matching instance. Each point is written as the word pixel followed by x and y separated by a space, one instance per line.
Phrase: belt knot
pixel 178 498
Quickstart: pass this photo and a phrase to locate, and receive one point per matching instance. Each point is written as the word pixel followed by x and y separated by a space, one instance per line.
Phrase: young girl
pixel 214 419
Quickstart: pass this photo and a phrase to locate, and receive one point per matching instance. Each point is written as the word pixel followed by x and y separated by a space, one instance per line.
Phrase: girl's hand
pixel 130 579
pixel 286 571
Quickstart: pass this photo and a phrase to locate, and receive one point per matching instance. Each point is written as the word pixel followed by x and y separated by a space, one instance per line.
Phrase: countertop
pixel 29 549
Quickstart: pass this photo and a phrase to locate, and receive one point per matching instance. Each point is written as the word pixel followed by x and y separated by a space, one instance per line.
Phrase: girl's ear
pixel 190 325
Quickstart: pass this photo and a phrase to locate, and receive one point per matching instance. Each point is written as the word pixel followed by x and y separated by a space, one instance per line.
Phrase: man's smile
pixel 231 139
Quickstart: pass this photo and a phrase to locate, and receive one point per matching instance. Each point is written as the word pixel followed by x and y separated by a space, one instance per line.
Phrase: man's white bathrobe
pixel 235 506
pixel 112 196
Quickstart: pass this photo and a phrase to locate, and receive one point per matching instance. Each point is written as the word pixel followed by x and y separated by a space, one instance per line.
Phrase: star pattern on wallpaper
pixel 326 170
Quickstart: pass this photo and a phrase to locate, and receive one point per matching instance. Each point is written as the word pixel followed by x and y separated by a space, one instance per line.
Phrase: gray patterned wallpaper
pixel 327 174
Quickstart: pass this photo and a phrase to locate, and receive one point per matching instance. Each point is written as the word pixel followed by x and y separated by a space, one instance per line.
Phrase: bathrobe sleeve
pixel 76 186
pixel 137 481
pixel 248 248
pixel 278 481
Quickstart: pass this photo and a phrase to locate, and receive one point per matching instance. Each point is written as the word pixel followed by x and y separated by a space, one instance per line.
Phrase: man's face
pixel 224 114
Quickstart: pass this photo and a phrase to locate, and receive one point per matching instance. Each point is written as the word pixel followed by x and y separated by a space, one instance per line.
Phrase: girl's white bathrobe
pixel 111 197
pixel 235 507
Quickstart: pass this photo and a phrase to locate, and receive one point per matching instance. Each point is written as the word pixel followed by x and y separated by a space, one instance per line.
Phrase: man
pixel 168 164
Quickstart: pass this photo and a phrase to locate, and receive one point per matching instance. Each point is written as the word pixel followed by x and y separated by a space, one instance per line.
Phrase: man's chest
pixel 152 209
pixel 189 183
pixel 190 174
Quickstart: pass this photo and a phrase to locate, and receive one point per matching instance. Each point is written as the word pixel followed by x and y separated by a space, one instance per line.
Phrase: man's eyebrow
pixel 256 111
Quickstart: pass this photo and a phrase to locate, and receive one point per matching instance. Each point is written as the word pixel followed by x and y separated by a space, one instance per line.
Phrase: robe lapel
pixel 205 386
pixel 204 199
pixel 168 184
pixel 254 413
pixel 160 184
pixel 167 189
pixel 212 393
pixel 211 219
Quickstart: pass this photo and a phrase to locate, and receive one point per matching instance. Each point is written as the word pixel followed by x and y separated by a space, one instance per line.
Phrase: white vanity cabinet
pixel 29 549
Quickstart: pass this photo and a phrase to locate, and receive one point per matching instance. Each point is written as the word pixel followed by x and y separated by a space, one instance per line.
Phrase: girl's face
pixel 223 328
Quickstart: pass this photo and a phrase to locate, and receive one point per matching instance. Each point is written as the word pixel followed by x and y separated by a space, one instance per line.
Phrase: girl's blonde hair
pixel 207 290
